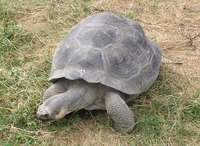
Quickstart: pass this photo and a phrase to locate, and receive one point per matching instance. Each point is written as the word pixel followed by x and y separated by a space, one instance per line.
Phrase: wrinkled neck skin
pixel 80 94
pixel 75 99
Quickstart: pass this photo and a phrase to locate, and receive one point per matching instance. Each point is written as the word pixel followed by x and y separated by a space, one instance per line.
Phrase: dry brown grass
pixel 166 21
pixel 167 115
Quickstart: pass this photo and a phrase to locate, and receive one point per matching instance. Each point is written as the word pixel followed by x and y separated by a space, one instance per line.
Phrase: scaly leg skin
pixel 57 88
pixel 119 111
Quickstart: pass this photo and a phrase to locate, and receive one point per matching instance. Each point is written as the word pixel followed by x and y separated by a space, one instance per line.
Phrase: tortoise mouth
pixel 44 117
pixel 62 114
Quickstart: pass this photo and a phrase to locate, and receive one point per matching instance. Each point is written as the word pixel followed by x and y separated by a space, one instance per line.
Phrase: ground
pixel 168 114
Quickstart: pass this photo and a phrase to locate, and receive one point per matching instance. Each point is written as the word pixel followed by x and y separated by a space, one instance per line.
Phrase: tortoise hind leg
pixel 119 111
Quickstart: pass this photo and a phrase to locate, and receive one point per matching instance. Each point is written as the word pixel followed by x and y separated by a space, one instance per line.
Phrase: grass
pixel 168 114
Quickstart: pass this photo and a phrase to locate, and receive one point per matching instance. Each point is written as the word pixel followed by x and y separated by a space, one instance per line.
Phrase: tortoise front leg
pixel 59 87
pixel 119 111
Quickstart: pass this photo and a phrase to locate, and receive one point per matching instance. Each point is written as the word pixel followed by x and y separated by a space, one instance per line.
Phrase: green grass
pixel 168 114
pixel 167 110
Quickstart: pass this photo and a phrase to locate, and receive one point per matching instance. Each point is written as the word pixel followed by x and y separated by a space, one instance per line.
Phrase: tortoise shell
pixel 108 49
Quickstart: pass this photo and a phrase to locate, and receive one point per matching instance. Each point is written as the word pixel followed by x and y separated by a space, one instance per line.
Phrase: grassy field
pixel 167 115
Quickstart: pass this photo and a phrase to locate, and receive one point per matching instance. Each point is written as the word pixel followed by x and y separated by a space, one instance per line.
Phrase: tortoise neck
pixel 81 94
pixel 74 101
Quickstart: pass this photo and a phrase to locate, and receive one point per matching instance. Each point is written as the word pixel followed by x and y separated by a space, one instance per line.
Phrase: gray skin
pixel 67 96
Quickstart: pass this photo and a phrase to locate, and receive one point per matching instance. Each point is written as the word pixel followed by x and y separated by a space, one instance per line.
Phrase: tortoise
pixel 104 62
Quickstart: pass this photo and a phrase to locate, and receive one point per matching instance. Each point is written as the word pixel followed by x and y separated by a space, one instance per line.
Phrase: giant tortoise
pixel 104 62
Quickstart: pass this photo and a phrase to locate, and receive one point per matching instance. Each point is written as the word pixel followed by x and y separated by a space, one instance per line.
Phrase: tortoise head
pixel 52 109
